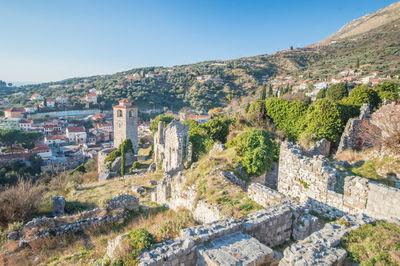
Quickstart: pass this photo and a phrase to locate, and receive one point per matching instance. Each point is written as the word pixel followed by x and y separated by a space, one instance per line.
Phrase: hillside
pixel 372 42
pixel 365 24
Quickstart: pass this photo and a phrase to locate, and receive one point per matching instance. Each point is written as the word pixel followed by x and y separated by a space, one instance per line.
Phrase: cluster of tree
pixel 12 170
pixel 124 148
pixel 24 139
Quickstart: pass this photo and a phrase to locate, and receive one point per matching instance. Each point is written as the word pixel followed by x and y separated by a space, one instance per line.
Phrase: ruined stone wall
pixel 312 180
pixel 58 226
pixel 264 195
pixel 171 145
pixel 172 192
pixel 101 156
pixel 359 132
pixel 272 225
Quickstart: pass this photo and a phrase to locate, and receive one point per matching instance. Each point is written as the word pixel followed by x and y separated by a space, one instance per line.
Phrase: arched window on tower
pixel 119 113
pixel 131 113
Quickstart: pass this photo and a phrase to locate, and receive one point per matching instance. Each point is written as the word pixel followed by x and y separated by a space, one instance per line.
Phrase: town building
pixel 14 112
pixel 76 134
pixel 125 123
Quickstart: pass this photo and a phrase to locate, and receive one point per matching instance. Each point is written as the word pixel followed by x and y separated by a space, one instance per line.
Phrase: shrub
pixel 256 150
pixel 19 202
pixel 171 227
pixel 362 94
pixel 324 120
pixel 218 128
pixel 166 119
pixel 287 116
pixel 388 90
pixel 337 91
pixel 201 142
pixel 112 156
pixel 136 165
pixel 140 239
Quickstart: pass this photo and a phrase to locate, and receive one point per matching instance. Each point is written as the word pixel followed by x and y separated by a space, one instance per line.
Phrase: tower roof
pixel 124 103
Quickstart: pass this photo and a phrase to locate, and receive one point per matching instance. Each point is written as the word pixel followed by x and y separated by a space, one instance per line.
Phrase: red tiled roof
pixel 76 129
pixel 15 109
pixel 54 137
pixel 25 121
pixel 91 95
pixel 41 147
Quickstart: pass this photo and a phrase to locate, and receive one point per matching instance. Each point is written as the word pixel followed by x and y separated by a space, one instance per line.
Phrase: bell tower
pixel 125 123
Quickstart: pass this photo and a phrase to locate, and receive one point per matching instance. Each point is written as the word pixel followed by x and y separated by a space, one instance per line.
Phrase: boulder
pixel 116 165
pixel 218 147
pixel 105 175
pixel 138 189
pixel 58 206
pixel 15 235
pixel 152 167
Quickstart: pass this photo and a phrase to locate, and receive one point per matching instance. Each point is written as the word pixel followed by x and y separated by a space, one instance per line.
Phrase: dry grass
pixel 19 202
pixel 349 155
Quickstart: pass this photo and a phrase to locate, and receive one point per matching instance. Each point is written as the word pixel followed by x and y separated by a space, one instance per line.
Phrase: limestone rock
pixel 218 147
pixel 116 165
pixel 15 235
pixel 114 247
pixel 58 206
pixel 138 189
pixel 105 175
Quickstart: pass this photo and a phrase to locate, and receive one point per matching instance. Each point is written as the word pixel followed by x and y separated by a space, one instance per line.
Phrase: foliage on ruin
pixel 166 119
pixel 256 150
pixel 125 147
pixel 374 245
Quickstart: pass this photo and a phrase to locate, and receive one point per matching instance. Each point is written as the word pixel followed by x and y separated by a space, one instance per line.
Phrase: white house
pixel 76 134
pixel 25 125
pixel 43 150
pixel 50 102
pixel 55 140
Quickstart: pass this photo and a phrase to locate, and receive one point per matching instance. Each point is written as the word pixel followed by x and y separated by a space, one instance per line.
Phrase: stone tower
pixel 125 123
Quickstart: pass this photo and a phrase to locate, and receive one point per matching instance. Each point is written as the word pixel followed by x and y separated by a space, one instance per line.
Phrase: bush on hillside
pixel 321 94
pixel 218 128
pixel 388 90
pixel 256 151
pixel 324 120
pixel 166 119
pixel 286 115
pixel 201 141
pixel 19 202
pixel 362 94
pixel 337 91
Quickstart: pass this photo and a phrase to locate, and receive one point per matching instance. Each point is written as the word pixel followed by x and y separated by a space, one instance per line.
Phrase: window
pixel 119 113
pixel 131 113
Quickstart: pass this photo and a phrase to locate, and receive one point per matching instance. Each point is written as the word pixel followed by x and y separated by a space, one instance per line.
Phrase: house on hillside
pixel 50 102
pixel 91 98
pixel 55 140
pixel 25 124
pixel 36 97
pixel 43 150
pixel 76 134
pixel 14 112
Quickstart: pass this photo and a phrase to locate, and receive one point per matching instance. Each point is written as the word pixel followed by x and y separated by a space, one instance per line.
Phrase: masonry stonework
pixel 171 145
pixel 125 123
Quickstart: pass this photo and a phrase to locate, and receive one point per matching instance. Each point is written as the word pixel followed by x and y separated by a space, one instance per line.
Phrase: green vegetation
pixel 124 148
pixel 388 90
pixel 201 141
pixel 23 139
pixel 374 245
pixel 218 128
pixel 363 94
pixel 337 91
pixel 256 150
pixel 166 119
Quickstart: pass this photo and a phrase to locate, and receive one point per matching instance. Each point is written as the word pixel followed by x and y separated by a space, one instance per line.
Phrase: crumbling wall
pixel 264 195
pixel 172 192
pixel 312 180
pixel 171 145
pixel 359 132
pixel 39 228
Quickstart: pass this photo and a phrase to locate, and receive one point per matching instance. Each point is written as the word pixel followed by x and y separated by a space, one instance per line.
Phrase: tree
pixel 362 94
pixel 388 90
pixel 263 94
pixel 358 63
pixel 218 128
pixel 323 120
pixel 337 91
pixel 270 91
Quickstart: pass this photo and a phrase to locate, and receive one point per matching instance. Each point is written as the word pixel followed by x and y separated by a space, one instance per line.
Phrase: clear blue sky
pixel 49 40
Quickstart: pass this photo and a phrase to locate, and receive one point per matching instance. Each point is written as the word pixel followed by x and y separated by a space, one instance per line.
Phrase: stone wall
pixel 313 180
pixel 113 212
pixel 359 132
pixel 321 248
pixel 172 192
pixel 171 145
pixel 264 195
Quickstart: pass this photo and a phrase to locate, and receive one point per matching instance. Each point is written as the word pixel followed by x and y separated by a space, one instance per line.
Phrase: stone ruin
pixel 38 228
pixel 171 146
pixel 308 185
pixel 112 169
